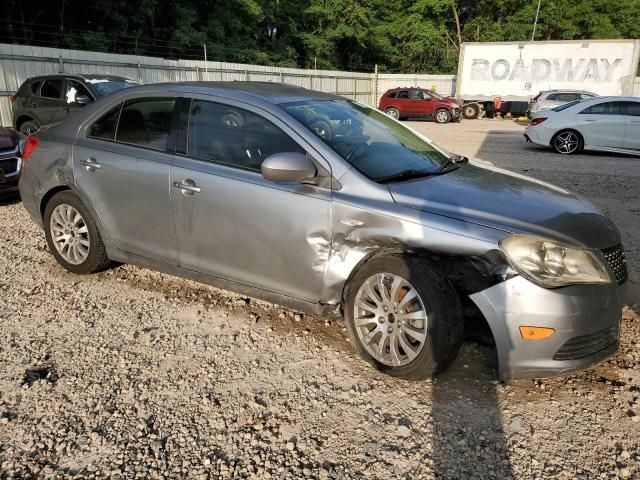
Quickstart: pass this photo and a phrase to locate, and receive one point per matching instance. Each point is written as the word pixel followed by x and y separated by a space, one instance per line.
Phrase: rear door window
pixel 606 108
pixel 392 95
pixel 224 134
pixel 553 97
pixel 403 94
pixel 146 122
pixel 567 97
pixel 51 89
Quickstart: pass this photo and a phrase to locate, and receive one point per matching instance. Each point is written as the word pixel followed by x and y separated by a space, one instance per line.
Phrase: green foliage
pixel 397 35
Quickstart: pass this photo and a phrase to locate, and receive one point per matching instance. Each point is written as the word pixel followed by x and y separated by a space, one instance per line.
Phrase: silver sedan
pixel 328 206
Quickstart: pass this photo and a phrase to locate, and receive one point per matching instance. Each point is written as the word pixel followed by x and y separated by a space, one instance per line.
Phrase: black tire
pixel 442 116
pixel 393 113
pixel 470 111
pixel 573 145
pixel 97 259
pixel 441 303
pixel 29 127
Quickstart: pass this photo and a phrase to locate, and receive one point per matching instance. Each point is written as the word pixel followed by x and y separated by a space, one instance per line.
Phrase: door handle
pixel 33 104
pixel 589 119
pixel 90 164
pixel 67 109
pixel 188 187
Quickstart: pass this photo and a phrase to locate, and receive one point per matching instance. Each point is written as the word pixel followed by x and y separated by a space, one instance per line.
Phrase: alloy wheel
pixel 442 117
pixel 390 319
pixel 70 234
pixel 566 142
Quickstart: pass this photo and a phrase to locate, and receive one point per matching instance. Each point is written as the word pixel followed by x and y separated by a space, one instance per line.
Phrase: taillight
pixel 537 121
pixel 30 145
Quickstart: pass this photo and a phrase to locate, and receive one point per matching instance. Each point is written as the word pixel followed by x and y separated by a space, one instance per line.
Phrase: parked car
pixel 548 99
pixel 377 224
pixel 51 98
pixel 402 103
pixel 607 124
pixel 10 162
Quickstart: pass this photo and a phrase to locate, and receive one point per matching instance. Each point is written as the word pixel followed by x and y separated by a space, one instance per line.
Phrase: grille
pixel 8 166
pixel 586 345
pixel 617 262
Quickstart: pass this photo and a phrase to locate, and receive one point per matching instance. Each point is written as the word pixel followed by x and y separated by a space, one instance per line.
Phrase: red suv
pixel 402 103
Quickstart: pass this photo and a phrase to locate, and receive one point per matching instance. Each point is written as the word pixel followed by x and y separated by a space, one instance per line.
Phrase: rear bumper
pixel 586 320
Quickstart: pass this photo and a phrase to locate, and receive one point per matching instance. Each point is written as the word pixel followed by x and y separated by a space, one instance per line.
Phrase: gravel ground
pixel 135 374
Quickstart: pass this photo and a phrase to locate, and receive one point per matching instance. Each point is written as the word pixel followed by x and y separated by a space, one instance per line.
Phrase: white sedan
pixel 608 124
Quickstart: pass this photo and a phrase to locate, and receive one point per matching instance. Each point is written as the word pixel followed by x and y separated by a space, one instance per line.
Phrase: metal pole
pixel 206 70
pixel 375 86
pixel 536 21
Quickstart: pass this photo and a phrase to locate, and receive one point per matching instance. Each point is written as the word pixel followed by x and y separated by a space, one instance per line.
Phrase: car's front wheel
pixel 567 142
pixel 403 316
pixel 442 116
pixel 72 235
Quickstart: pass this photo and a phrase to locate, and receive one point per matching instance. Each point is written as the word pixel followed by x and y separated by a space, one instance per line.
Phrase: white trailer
pixel 517 71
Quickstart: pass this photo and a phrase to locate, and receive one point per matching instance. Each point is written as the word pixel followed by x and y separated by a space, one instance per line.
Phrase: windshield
pixel 103 86
pixel 373 143
pixel 436 95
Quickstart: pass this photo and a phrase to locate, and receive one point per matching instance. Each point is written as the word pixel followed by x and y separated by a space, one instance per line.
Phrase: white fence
pixel 19 62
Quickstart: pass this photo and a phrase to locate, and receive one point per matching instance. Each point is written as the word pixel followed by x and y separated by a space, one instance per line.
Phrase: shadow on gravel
pixel 468 436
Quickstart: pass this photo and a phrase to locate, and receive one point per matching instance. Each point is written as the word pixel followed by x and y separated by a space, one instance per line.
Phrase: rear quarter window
pixel 105 126
pixel 146 122
pixel 392 94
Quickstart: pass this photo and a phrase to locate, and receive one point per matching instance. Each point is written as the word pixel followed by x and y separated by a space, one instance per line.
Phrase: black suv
pixel 51 98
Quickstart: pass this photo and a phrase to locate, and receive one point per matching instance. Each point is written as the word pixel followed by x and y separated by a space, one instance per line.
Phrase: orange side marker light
pixel 536 333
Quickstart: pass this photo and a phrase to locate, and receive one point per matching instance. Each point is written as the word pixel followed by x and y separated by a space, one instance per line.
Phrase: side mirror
pixel 82 100
pixel 289 167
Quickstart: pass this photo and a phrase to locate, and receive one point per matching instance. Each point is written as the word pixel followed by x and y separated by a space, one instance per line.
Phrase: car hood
pixel 511 202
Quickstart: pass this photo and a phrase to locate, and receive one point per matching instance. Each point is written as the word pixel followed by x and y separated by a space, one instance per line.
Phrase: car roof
pixel 270 92
pixel 566 90
pixel 84 76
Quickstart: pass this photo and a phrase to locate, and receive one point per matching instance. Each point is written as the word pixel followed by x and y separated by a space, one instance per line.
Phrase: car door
pixel 420 103
pixel 403 104
pixel 73 89
pixel 602 124
pixel 50 103
pixel 632 130
pixel 233 223
pixel 126 175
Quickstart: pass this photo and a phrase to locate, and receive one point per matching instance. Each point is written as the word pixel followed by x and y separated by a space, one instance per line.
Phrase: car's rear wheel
pixel 442 116
pixel 403 317
pixel 72 235
pixel 29 127
pixel 393 113
pixel 567 142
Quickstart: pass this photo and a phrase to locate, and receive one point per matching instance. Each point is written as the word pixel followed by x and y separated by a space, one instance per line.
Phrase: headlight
pixel 551 264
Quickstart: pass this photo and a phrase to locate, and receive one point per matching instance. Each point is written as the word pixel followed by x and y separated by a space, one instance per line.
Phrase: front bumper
pixel 586 320
pixel 9 178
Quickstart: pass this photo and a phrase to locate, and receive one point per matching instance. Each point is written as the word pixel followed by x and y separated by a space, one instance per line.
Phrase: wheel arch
pixel 51 192
pixel 23 117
